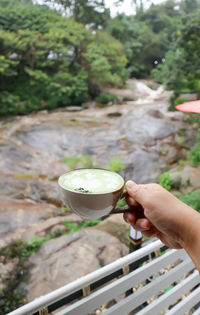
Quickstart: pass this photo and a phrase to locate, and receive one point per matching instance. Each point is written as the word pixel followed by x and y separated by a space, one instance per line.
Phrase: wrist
pixel 190 238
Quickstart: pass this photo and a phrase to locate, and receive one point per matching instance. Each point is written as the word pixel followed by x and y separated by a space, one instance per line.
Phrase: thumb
pixel 137 192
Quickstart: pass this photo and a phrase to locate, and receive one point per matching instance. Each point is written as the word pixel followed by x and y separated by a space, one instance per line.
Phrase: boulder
pixel 16 214
pixel 191 176
pixel 69 257
pixel 143 167
pixel 48 226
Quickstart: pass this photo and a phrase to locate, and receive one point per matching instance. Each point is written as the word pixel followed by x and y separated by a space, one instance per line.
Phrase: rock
pixel 155 113
pixel 143 167
pixel 191 176
pixel 170 152
pixel 114 218
pixel 43 228
pixel 176 178
pixel 70 257
pixel 36 190
pixel 145 129
pixel 6 270
pixel 16 214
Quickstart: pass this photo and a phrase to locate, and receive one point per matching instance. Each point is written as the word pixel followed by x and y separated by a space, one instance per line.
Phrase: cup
pixel 91 205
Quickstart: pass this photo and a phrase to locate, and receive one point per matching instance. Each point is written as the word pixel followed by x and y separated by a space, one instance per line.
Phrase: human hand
pixel 156 212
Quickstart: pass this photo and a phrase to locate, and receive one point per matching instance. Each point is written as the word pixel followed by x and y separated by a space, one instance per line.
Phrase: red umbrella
pixel 190 107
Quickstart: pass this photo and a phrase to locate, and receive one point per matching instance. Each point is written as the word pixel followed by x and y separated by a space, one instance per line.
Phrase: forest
pixel 64 52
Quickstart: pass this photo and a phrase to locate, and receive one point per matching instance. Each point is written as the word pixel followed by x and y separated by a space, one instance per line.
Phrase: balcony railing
pixel 150 274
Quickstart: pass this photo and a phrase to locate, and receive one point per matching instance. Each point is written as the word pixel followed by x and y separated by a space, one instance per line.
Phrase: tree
pixel 181 70
pixel 146 36
pixel 47 60
pixel 90 12
pixel 189 6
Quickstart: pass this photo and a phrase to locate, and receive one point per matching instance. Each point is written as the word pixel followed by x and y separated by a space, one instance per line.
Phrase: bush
pixel 181 100
pixel 116 164
pixel 73 161
pixel 165 180
pixel 194 155
pixel 49 61
pixel 104 98
pixel 192 199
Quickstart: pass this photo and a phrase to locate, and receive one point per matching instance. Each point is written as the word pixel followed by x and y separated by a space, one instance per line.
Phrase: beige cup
pixel 91 206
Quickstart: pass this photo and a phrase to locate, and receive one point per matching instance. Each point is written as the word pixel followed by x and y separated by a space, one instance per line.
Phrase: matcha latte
pixel 91 181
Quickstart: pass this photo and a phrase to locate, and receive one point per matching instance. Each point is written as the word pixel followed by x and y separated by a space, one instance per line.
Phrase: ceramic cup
pixel 91 206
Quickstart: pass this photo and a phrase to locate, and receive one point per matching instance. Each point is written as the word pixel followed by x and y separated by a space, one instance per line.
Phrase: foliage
pixel 146 37
pixel 165 180
pixel 194 155
pixel 192 199
pixel 89 12
pixel 180 72
pixel 105 61
pixel 75 226
pixel 121 203
pixel 47 60
pixel 72 161
pixel 104 98
pixel 116 164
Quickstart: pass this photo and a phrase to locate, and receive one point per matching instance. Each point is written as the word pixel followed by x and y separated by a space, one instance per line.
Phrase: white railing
pixel 165 287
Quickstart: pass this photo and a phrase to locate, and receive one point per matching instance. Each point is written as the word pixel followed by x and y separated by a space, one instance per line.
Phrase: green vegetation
pixel 181 162
pixel 194 155
pixel 116 164
pixel 165 180
pixel 104 98
pixel 180 71
pixel 74 226
pixel 51 58
pixel 121 203
pixel 85 161
pixel 47 60
pixel 192 199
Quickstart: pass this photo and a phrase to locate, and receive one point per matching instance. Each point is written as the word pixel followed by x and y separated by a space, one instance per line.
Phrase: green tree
pixel 105 61
pixel 181 70
pixel 91 12
pixel 146 37
pixel 47 60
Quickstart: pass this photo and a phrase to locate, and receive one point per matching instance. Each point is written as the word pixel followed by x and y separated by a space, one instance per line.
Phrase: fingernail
pixel 130 184
pixel 144 225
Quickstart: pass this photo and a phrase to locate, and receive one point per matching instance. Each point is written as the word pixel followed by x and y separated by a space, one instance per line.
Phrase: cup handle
pixel 121 209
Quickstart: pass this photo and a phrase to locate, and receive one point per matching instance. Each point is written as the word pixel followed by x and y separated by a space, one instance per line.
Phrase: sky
pixel 127 6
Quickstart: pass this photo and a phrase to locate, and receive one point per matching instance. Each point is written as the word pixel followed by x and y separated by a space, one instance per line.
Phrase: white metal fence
pixel 163 282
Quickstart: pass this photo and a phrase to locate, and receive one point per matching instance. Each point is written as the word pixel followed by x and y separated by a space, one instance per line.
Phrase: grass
pixel 115 164
pixel 72 161
pixel 75 226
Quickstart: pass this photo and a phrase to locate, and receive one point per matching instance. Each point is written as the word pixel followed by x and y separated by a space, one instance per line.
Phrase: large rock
pixel 16 214
pixel 143 167
pixel 37 190
pixel 69 257
pixel 191 176
pixel 141 128
pixel 48 226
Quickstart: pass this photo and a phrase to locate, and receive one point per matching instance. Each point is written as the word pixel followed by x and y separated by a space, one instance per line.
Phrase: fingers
pixel 131 202
pixel 137 192
pixel 140 224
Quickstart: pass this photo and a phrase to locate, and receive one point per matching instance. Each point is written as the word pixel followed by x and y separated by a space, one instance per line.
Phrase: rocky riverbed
pixel 140 131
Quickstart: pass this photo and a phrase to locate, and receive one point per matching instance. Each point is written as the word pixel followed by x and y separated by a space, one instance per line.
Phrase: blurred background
pixel 89 83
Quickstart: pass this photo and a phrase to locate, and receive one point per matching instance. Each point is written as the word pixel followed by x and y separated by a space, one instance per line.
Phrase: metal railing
pixel 88 293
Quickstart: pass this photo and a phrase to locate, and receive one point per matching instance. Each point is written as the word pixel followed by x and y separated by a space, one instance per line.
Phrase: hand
pixel 156 212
